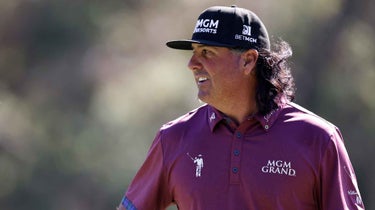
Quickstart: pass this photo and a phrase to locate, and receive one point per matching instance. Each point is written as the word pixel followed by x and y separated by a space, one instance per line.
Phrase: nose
pixel 194 63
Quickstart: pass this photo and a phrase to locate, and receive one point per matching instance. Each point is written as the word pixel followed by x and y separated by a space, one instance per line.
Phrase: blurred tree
pixel 84 85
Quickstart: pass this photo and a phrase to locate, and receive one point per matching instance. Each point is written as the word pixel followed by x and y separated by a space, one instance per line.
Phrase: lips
pixel 201 79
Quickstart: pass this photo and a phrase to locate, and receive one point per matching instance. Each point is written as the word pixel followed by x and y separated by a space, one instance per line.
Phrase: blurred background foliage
pixel 85 85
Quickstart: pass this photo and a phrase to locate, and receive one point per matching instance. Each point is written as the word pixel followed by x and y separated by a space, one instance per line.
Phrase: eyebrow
pixel 197 46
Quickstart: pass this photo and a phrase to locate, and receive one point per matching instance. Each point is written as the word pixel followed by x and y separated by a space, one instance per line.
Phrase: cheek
pixel 229 73
pixel 224 70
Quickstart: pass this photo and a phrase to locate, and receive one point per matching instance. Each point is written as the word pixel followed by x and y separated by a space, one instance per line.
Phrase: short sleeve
pixel 338 187
pixel 149 190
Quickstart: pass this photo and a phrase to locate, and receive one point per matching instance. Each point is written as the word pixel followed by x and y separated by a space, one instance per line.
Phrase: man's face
pixel 217 73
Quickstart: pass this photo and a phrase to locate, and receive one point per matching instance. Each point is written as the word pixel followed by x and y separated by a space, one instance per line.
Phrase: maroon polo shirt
pixel 289 159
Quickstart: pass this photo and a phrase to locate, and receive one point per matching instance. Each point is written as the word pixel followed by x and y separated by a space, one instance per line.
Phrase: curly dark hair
pixel 274 77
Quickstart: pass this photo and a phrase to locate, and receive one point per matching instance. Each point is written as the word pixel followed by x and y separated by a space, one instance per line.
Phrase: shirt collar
pixel 214 117
pixel 268 120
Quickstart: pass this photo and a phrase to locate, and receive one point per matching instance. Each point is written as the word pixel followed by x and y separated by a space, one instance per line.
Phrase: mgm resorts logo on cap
pixel 232 27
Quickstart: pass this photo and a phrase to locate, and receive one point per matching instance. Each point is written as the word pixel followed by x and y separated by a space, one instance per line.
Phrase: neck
pixel 239 112
pixel 241 103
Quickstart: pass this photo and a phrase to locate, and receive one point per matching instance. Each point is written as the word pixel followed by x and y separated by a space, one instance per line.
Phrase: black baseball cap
pixel 223 26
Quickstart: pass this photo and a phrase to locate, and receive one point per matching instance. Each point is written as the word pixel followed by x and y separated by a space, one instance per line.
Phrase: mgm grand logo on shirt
pixel 206 26
pixel 279 167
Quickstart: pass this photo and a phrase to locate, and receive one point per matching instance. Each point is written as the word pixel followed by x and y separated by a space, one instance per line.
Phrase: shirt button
pixel 266 127
pixel 236 152
pixel 238 134
pixel 235 170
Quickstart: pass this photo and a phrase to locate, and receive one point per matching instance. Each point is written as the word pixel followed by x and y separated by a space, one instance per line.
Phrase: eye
pixel 205 52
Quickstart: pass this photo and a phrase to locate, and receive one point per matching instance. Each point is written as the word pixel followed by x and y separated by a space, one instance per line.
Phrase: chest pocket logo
pixel 198 161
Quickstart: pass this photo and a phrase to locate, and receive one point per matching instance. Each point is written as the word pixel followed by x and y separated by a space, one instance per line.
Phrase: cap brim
pixel 186 44
pixel 183 44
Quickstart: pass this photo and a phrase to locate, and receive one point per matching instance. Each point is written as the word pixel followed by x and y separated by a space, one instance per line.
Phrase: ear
pixel 249 60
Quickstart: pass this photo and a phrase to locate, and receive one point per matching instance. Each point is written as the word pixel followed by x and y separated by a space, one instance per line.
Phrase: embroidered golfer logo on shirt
pixel 198 164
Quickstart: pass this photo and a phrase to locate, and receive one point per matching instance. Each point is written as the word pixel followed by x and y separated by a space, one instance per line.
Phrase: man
pixel 260 150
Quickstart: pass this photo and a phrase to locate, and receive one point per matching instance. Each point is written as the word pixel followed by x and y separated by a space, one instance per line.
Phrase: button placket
pixel 236 152
pixel 238 134
pixel 236 157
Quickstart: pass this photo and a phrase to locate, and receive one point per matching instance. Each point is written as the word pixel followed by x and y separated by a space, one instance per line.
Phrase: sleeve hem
pixel 128 204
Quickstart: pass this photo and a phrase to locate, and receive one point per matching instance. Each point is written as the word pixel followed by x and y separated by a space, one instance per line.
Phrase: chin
pixel 202 99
